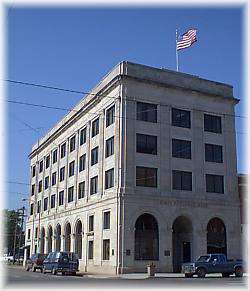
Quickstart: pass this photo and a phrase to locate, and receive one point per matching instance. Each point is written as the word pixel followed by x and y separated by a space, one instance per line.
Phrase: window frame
pixel 147 180
pixel 144 144
pixel 182 177
pixel 110 118
pixel 177 144
pixel 181 122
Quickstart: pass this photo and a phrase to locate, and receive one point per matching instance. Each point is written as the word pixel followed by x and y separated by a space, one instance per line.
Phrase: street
pixel 16 275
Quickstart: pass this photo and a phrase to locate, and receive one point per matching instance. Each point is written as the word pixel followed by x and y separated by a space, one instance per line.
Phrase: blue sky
pixel 74 47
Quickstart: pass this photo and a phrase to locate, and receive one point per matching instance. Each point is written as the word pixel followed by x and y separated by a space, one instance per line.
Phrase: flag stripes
pixel 188 38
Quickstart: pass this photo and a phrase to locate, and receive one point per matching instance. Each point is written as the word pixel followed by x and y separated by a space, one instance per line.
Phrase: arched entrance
pixel 182 237
pixel 58 237
pixel 146 238
pixel 78 239
pixel 67 237
pixel 216 236
pixel 50 233
pixel 42 240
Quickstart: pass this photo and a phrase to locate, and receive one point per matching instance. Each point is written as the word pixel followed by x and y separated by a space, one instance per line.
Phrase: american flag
pixel 187 39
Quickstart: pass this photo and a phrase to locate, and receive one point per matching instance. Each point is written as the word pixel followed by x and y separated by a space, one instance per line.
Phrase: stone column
pixel 62 242
pixel 25 257
pixel 46 245
pixel 72 242
pixel 199 243
pixel 53 243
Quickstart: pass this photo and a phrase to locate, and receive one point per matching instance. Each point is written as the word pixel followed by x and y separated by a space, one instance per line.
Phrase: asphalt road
pixel 17 275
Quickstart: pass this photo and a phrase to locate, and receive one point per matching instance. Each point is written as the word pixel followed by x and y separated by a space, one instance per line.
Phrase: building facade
pixel 143 169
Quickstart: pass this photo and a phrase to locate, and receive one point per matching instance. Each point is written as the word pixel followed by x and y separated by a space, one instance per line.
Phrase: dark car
pixel 63 262
pixel 35 262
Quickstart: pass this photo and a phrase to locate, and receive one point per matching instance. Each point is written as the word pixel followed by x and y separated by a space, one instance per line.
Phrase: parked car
pixel 213 263
pixel 7 258
pixel 64 262
pixel 35 262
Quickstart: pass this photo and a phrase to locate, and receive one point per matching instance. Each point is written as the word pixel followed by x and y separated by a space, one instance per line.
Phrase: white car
pixel 7 258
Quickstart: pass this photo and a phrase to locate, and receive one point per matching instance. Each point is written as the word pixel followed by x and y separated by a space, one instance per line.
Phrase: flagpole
pixel 177 58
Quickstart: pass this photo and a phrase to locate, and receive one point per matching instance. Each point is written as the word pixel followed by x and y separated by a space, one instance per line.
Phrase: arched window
pixel 78 239
pixel 216 236
pixel 50 233
pixel 146 238
pixel 58 238
pixel 67 237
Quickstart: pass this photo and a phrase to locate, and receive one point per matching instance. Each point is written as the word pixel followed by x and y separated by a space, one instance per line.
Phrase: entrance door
pixel 186 252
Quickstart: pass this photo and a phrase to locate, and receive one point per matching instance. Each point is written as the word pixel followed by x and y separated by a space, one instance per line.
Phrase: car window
pixel 203 258
pixel 213 257
pixel 57 255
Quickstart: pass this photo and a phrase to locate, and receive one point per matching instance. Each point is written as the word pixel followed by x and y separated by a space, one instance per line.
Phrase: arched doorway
pixel 58 237
pixel 78 239
pixel 216 236
pixel 50 234
pixel 67 237
pixel 146 238
pixel 42 240
pixel 182 237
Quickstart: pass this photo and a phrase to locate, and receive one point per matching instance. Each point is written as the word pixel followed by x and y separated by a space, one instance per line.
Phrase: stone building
pixel 143 169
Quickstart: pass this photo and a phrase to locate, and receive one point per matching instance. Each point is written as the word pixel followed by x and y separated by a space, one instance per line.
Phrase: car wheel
pixel 188 275
pixel 225 275
pixel 238 272
pixel 201 273
pixel 54 271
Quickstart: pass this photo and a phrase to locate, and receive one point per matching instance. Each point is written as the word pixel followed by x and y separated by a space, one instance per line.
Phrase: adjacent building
pixel 141 170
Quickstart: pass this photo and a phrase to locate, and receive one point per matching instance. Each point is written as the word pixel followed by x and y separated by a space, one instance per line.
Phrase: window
pixel 54 156
pixel 53 201
pixel 82 160
pixel 28 234
pixel 95 127
pixel 147 112
pixel 47 162
pixel 110 147
pixel 106 220
pixel 45 204
pixel 31 209
pixel 53 180
pixel 91 250
pixel 181 148
pixel 106 247
pixel 36 232
pixel 39 206
pixel 214 183
pixel 83 135
pixel 62 174
pixel 181 118
pixel 146 144
pixel 110 116
pixel 182 180
pixel 146 177
pixel 213 153
pixel 91 223
pixel 63 150
pixel 32 189
pixel 61 197
pixel 33 171
pixel 212 123
pixel 81 190
pixel 40 186
pixel 46 183
pixel 93 185
pixel 40 166
pixel 72 144
pixel 71 168
pixel 70 194
pixel 109 179
pixel 94 156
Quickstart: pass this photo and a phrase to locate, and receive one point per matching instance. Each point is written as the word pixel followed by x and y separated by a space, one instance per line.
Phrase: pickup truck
pixel 213 263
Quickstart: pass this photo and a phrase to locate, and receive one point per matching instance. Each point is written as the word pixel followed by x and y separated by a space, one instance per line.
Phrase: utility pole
pixel 21 231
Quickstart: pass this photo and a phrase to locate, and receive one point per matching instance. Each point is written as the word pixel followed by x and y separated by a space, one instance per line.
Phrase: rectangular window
pixel 36 232
pixel 28 234
pixel 212 123
pixel 106 249
pixel 106 220
pixel 146 177
pixel 72 144
pixel 32 189
pixel 62 174
pixel 47 161
pixel 45 204
pixel 70 194
pixel 53 201
pixel 40 166
pixel 46 182
pixel 109 179
pixel 31 209
pixel 109 147
pixel 146 112
pixel 81 190
pixel 213 153
pixel 54 156
pixel 95 127
pixel 182 180
pixel 63 150
pixel 83 136
pixel 181 149
pixel 33 171
pixel 39 206
pixel 181 118
pixel 91 223
pixel 94 156
pixel 71 168
pixel 110 116
pixel 146 144
pixel 214 183
pixel 82 161
pixel 53 180
pixel 61 198
pixel 94 185
pixel 91 250
pixel 40 186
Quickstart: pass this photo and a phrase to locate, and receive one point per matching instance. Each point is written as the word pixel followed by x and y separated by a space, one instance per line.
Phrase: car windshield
pixel 203 259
